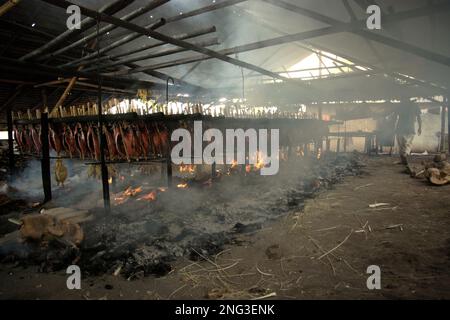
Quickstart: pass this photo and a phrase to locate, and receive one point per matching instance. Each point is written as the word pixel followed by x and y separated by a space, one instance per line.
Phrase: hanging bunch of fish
pixel 123 140
pixel 28 138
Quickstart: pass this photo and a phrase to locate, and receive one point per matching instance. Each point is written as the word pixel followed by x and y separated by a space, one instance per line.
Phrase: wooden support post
pixel 101 137
pixel 104 168
pixel 44 100
pixel 345 136
pixel 443 116
pixel 318 145
pixel 213 170
pixel 448 124
pixel 169 169
pixel 367 145
pixel 45 160
pixel 9 121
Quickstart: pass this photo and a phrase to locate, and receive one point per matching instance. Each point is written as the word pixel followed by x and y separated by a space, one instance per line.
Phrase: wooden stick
pixel 340 244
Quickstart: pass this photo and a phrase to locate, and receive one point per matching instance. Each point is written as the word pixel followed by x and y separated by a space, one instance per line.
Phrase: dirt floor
pixel 320 253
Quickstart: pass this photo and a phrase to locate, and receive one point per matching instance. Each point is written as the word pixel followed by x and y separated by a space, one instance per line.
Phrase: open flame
pixel 182 185
pixel 258 165
pixel 260 161
pixel 189 168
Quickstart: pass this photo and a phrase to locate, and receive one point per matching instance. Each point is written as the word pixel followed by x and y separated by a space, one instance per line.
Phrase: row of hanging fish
pixel 123 140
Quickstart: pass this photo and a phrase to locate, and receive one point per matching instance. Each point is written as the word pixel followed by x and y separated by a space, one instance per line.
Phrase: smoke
pixel 78 186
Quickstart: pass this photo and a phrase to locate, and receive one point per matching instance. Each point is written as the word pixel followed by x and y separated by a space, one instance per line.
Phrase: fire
pixel 234 164
pixel 190 168
pixel 149 197
pixel 260 162
pixel 130 192
pixel 258 165
pixel 110 180
pixel 182 185
pixel 319 153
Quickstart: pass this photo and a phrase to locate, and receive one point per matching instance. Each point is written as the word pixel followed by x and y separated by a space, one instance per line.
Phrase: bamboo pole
pixel 128 17
pixel 40 69
pixel 8 5
pixel 180 43
pixel 205 43
pixel 184 36
pixel 118 43
pixel 51 83
pixel 213 7
pixel 110 8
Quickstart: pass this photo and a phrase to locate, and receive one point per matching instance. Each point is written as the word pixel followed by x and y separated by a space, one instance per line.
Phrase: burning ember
pixel 190 168
pixel 130 192
pixel 149 197
pixel 123 197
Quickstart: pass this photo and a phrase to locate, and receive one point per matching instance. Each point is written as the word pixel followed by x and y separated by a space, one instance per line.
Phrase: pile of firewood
pixel 437 172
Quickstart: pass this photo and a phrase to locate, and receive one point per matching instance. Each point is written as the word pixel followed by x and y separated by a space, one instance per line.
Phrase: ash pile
pixel 149 228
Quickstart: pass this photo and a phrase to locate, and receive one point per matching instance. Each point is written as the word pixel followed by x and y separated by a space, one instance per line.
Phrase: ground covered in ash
pixel 140 238
pixel 144 238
